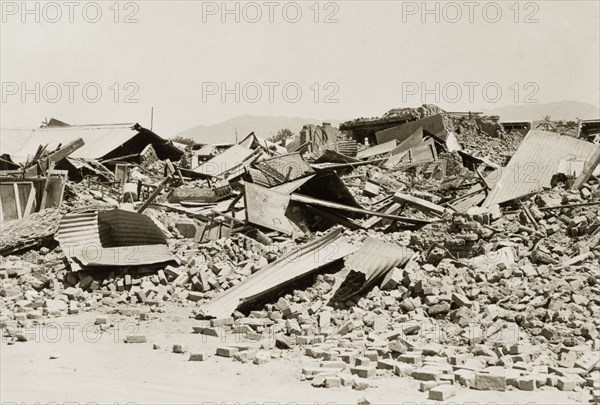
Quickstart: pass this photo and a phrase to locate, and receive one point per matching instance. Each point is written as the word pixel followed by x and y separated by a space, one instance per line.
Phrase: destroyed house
pixel 125 142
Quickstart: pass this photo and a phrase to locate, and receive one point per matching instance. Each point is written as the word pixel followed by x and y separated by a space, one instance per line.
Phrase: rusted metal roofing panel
pixel 111 238
pixel 534 163
pixel 433 124
pixel 298 263
pixel 225 162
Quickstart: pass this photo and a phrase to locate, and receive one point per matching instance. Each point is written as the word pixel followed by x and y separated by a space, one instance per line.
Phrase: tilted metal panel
pixel 292 266
pixel 375 258
pixel 224 162
pixel 534 163
pixel 433 124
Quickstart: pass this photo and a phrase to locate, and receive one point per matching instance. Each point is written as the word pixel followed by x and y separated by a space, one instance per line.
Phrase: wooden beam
pixel 328 204
pixel 419 203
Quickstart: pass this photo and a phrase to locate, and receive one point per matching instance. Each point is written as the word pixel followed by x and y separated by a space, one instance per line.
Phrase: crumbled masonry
pixel 447 292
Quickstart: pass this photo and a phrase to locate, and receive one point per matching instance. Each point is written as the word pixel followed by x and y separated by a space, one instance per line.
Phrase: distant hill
pixel 562 110
pixel 264 126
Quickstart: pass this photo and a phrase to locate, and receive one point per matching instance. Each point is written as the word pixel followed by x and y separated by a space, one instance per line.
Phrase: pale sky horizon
pixel 368 58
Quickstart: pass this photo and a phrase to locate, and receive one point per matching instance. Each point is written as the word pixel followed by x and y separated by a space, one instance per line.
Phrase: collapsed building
pixel 424 244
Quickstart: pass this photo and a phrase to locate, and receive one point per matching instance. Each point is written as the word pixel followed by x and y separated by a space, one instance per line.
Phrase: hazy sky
pixel 190 60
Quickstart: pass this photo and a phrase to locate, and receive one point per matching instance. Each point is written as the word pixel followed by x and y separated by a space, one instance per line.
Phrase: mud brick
pixel 520 348
pixel 315 352
pixel 411 358
pixel 310 371
pixel 461 301
pixel 566 384
pixel 397 346
pixel 198 357
pixel 162 278
pixel 221 321
pixel 588 361
pixel 172 272
pixel 333 381
pixel 101 320
pixel 386 364
pixel 120 285
pixel 460 359
pixel 291 309
pixel 179 348
pixel 362 361
pixel 194 296
pixel 465 377
pixel 318 381
pixel 359 383
pixel 346 379
pixel 245 356
pixel 348 358
pixel 364 371
pixel 331 355
pixel 426 374
pixel 332 364
pixel 136 339
pixel 208 330
pixel 141 296
pixel 303 340
pixel 403 370
pixel 442 392
pixel 226 351
pixel 127 280
pixel 490 382
pixel 262 357
pixel 425 386
pixel 372 355
pixel 526 383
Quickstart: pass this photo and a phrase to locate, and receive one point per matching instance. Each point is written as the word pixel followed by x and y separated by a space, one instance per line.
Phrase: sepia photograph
pixel 348 202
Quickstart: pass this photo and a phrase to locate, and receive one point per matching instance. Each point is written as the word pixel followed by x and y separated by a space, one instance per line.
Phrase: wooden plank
pixel 30 206
pixel 7 202
pixel 588 169
pixel 419 203
pixel 268 208
pixel 46 185
pixel 328 204
pixel 57 155
pixel 17 200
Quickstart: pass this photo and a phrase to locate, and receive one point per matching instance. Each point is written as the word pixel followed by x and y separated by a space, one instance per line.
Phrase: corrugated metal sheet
pixel 99 139
pixel 284 168
pixel 534 163
pixel 252 141
pixel 433 124
pixel 377 150
pixel 111 238
pixel 375 258
pixel 294 265
pixel 224 162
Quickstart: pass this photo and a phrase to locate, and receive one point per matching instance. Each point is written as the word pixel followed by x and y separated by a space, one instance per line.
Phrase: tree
pixel 181 139
pixel 281 134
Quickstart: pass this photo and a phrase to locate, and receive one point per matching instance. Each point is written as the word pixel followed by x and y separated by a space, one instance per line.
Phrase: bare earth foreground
pixel 98 367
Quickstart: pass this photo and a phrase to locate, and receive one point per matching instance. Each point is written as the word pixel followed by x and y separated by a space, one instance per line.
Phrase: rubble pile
pixel 422 258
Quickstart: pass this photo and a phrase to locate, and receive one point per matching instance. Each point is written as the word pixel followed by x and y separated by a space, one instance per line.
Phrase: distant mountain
pixel 562 110
pixel 264 126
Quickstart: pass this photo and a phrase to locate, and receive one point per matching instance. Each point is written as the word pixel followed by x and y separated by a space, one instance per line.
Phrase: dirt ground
pixel 97 367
